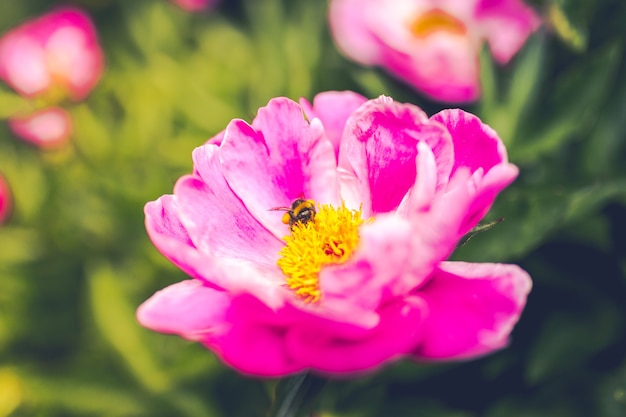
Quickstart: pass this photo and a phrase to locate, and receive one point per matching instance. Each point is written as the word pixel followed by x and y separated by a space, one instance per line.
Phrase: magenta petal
pixel 506 24
pixel 476 145
pixel 333 108
pixel 47 128
pixel 471 309
pixel 398 331
pixel 380 147
pixel 187 308
pixel 5 200
pixel 216 220
pixel 278 159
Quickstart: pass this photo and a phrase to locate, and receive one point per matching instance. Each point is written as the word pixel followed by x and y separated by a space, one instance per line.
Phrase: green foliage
pixel 75 260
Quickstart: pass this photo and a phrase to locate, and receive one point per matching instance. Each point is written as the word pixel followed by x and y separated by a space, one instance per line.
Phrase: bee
pixel 301 211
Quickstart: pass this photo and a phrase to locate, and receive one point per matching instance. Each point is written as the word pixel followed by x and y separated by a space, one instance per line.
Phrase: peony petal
pixel 279 159
pixel 5 200
pixel 380 147
pixel 349 23
pixel 47 128
pixel 333 108
pixel 476 145
pixel 444 66
pixel 507 24
pixel 471 309
pixel 221 322
pixel 187 308
pixel 217 221
pixel 398 331
pixel 23 64
pixel 234 275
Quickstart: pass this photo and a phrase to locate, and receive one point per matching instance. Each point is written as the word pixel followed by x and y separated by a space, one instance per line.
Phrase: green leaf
pixel 115 318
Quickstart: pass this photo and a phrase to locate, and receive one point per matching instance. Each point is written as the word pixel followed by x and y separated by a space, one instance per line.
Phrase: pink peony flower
pixel 55 56
pixel 195 5
pixel 5 200
pixel 433 45
pixel 360 280
pixel 46 128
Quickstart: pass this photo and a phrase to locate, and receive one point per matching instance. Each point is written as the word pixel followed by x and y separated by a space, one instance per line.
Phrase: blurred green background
pixel 75 260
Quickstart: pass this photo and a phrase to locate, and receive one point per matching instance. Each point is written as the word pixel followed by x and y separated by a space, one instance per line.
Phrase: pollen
pixel 436 20
pixel 329 239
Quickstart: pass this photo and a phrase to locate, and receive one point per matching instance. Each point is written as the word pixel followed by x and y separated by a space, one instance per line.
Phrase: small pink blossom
pixel 55 55
pixel 5 200
pixel 47 128
pixel 195 5
pixel 432 45
pixel 394 191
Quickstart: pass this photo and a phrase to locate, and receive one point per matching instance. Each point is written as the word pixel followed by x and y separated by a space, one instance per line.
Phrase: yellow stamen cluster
pixel 330 238
pixel 437 20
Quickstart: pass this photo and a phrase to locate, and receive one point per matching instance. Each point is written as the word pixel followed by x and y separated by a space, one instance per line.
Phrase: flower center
pixel 329 238
pixel 436 20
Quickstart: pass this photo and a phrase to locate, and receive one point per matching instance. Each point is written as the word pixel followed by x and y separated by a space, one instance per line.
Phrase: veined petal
pixel 237 276
pixel 333 108
pixel 476 145
pixel 216 220
pixel 471 309
pixel 278 159
pixel 380 147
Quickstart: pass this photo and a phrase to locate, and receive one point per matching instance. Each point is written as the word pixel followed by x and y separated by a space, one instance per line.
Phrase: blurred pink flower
pixel 46 128
pixel 195 5
pixel 5 200
pixel 364 280
pixel 54 56
pixel 433 45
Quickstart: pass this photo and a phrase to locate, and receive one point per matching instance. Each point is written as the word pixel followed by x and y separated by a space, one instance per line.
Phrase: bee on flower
pixel 354 276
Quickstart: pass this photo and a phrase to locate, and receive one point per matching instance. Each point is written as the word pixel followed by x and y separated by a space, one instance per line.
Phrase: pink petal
pixel 380 268
pixel 380 147
pixel 444 66
pixel 47 128
pixel 333 108
pixel 507 24
pixel 195 5
pixel 234 275
pixel 476 145
pixel 278 159
pixel 187 308
pixel 479 150
pixel 217 221
pixel 5 199
pixel 471 309
pixel 399 330
pixel 349 24
pixel 23 64
pixel 221 322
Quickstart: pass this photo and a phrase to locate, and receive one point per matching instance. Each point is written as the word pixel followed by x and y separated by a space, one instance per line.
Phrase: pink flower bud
pixel 195 5
pixel 54 56
pixel 45 128
pixel 5 200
